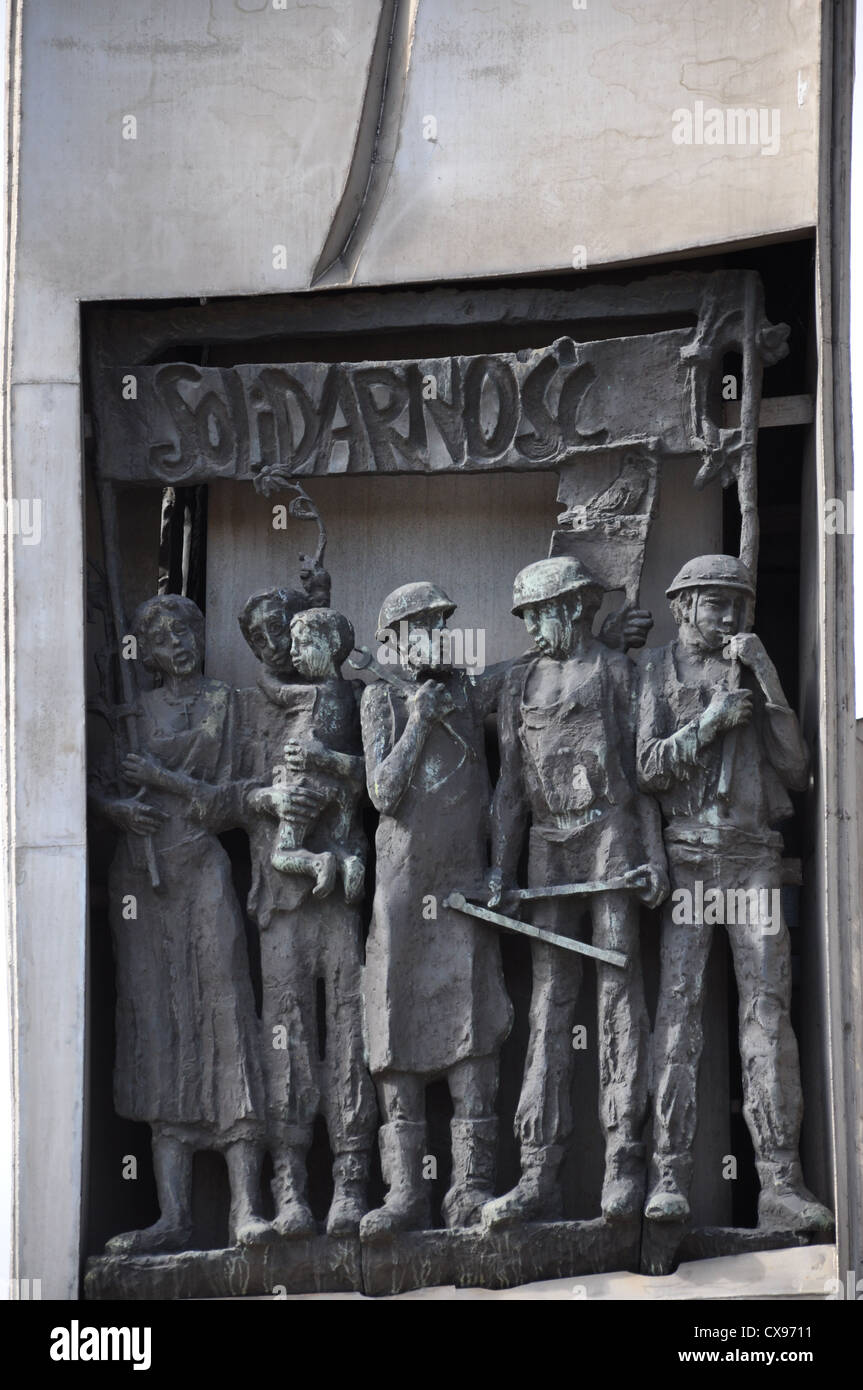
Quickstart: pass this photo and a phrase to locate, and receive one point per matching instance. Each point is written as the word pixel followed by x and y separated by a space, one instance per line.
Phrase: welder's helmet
pixel 713 571
pixel 545 579
pixel 409 602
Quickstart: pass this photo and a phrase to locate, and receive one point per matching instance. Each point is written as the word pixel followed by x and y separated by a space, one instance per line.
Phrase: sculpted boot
pixel 407 1203
pixel 293 1215
pixel 474 1150
pixel 245 1225
pixel 784 1202
pixel 671 1175
pixel 172 1165
pixel 537 1196
pixel 350 1203
pixel 623 1188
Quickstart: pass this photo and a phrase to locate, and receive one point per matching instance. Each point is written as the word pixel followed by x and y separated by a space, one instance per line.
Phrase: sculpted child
pixel 324 720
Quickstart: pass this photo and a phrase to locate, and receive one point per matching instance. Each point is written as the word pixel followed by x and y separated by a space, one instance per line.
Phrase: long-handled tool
pixel 729 749
pixel 128 684
pixel 362 660
pixel 459 903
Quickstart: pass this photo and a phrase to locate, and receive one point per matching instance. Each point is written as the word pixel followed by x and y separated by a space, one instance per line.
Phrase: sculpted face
pixel 426 649
pixel 715 614
pixel 172 645
pixel 549 625
pixel 311 649
pixel 270 637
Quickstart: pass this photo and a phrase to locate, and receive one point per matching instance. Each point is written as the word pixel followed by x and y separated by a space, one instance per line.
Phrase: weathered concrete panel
pixel 553 126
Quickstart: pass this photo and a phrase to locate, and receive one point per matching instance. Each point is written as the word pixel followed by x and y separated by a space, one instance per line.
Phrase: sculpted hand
pixel 494 887
pixel 500 895
pixel 650 883
pixel 286 801
pixel 301 757
pixel 137 816
pixel 748 648
pixel 432 701
pixel 145 770
pixel 261 800
pixel 726 709
pixel 628 627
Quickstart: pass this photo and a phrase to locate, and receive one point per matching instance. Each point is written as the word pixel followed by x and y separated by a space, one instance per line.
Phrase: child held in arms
pixel 325 718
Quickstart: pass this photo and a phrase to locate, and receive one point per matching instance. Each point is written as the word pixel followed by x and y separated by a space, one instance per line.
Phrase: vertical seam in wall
pixel 841 924
pixel 7 613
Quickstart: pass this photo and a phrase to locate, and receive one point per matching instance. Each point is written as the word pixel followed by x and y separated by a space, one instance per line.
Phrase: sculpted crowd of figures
pixel 621 784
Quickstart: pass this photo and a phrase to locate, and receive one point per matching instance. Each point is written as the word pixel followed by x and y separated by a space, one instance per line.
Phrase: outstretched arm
pixel 628 627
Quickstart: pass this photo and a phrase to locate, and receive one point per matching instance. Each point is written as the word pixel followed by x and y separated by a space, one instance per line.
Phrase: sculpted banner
pixel 185 424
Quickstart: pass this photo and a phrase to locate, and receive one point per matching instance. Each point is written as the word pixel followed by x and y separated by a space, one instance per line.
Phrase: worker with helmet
pixel 720 747
pixel 567 721
pixel 435 1002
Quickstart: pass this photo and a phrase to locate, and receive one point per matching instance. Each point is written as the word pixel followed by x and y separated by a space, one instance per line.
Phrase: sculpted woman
pixel 187 1047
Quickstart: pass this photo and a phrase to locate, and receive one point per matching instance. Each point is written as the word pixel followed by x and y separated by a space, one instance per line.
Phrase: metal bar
pixel 460 903
pixel 573 890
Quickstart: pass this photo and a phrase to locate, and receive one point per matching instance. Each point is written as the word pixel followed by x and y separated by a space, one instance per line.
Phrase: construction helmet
pixel 562 574
pixel 409 601
pixel 721 571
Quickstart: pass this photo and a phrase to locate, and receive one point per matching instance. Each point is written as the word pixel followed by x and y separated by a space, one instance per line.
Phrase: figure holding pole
pixel 720 748
pixel 567 735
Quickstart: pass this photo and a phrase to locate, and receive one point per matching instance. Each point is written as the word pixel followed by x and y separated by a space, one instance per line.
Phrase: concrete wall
pixel 860 797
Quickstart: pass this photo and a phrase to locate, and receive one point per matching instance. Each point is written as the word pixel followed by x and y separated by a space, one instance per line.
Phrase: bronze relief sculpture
pixel 626 788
